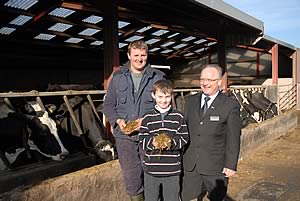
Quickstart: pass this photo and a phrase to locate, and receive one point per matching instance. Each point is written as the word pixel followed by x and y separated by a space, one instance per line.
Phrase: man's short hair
pixel 215 66
pixel 137 44
pixel 165 86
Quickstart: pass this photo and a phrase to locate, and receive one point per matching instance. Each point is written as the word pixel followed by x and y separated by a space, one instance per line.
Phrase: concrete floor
pixel 271 173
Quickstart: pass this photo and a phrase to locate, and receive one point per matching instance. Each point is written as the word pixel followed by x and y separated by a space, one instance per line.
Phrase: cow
pixel 12 132
pixel 260 101
pixel 248 112
pixel 28 128
pixel 90 127
pixel 255 107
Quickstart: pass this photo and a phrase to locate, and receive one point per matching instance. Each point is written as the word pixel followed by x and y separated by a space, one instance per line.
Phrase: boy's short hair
pixel 138 44
pixel 165 86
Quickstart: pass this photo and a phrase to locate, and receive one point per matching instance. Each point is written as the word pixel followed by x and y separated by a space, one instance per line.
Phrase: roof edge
pixel 232 12
pixel 282 43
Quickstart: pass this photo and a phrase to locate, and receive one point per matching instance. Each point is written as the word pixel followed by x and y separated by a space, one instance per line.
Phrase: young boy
pixel 163 134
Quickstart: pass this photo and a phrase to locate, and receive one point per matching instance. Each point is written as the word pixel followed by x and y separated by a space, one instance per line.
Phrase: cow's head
pixel 105 150
pixel 43 134
pixel 91 133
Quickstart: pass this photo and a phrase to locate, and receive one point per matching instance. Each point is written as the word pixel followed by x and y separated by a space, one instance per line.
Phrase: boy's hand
pixel 154 143
pixel 159 144
pixel 167 144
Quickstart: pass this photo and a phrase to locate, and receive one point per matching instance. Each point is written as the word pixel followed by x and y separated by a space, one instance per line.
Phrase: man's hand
pixel 122 124
pixel 228 172
pixel 139 120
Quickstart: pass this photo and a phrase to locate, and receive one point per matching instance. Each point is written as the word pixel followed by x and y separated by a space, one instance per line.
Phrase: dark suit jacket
pixel 215 137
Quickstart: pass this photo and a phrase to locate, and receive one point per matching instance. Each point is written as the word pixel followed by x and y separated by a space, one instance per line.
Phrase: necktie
pixel 205 106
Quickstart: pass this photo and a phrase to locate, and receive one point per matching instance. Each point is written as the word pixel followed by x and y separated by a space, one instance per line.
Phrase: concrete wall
pixel 98 183
pixel 104 182
pixel 255 135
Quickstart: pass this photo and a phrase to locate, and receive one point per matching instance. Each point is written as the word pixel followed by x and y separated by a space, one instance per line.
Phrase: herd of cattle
pixel 255 107
pixel 31 133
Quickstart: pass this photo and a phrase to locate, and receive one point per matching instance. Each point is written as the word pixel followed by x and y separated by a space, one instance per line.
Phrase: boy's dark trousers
pixel 170 188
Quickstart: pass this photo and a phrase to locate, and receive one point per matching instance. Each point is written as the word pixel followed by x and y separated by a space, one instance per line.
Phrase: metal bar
pixel 93 107
pixel 173 102
pixel 97 115
pixel 77 125
pixel 186 90
pixel 73 115
pixel 40 102
pixel 73 92
pixel 54 93
pixel 247 86
pixel 7 102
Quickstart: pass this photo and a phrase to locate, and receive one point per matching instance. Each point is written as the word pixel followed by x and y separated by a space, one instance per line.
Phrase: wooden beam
pixel 111 39
pixel 82 7
pixel 274 52
pixel 295 67
pixel 257 64
pixel 222 60
pixel 252 48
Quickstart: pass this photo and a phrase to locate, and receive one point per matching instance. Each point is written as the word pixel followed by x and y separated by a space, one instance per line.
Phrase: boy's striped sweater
pixel 163 162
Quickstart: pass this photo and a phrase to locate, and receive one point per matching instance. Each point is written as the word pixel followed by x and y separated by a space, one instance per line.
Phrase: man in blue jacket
pixel 128 98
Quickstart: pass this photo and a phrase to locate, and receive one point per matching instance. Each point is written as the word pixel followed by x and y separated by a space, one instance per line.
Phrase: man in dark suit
pixel 214 127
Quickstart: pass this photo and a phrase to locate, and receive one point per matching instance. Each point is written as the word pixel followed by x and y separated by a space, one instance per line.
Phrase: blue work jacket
pixel 123 102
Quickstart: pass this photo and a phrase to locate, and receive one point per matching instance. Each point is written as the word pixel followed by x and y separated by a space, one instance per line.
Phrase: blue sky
pixel 281 18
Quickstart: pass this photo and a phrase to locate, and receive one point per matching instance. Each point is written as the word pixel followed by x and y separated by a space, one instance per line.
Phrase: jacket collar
pixel 216 102
pixel 157 111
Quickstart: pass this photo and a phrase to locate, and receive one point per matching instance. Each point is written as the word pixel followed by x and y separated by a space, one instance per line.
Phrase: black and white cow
pixel 255 107
pixel 28 128
pixel 269 109
pixel 91 128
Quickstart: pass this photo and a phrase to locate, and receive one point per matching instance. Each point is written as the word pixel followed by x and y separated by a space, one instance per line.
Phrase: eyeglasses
pixel 208 80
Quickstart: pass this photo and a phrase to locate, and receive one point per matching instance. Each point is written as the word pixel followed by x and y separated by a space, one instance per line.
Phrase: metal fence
pixel 287 97
pixel 286 94
pixel 93 96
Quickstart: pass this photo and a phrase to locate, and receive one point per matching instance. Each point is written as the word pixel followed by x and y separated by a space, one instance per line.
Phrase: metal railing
pixel 287 97
pixel 93 96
